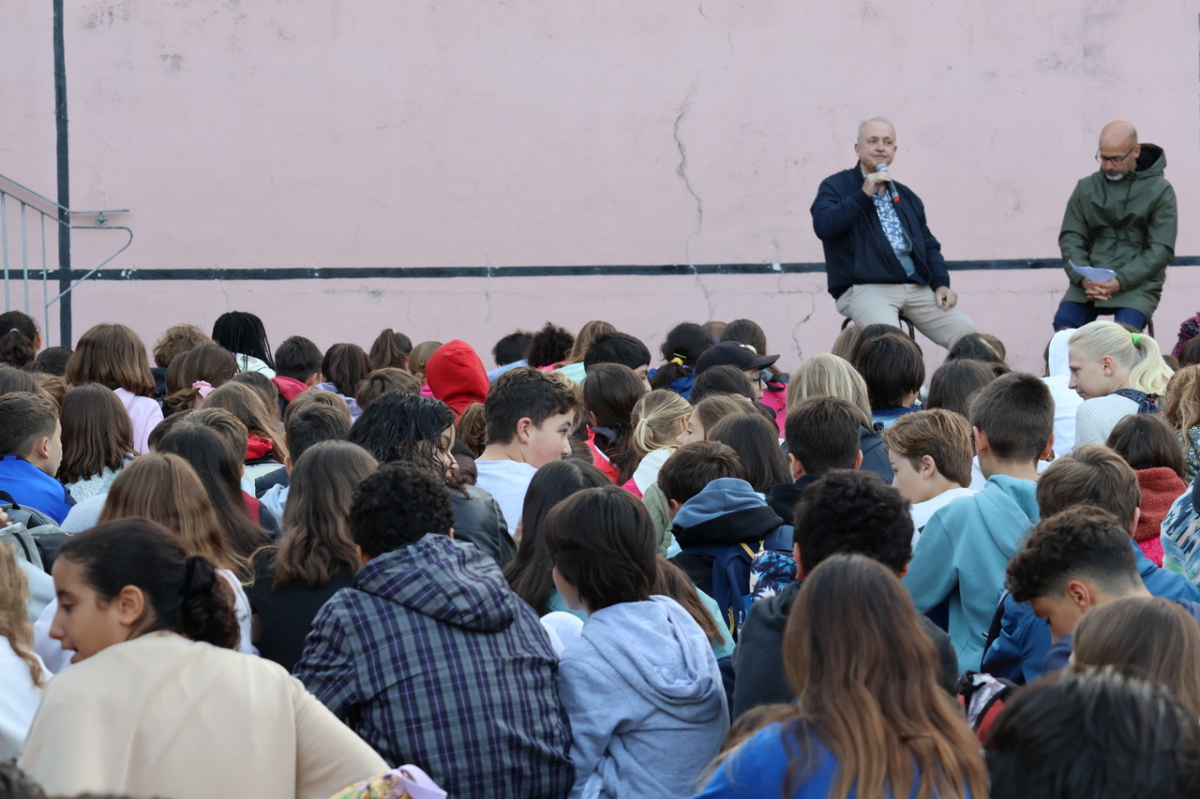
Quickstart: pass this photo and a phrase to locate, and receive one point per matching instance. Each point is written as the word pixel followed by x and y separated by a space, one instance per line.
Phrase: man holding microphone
pixel 880 258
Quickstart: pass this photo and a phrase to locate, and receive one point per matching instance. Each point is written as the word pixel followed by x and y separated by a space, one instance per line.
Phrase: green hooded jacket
pixel 1125 225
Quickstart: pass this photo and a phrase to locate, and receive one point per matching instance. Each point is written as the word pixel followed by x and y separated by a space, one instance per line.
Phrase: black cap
pixel 732 353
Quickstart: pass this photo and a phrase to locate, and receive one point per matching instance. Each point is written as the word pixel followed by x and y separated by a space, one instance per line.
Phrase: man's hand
pixel 1101 291
pixel 945 296
pixel 876 183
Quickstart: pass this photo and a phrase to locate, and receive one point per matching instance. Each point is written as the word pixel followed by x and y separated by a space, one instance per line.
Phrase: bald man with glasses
pixel 1122 218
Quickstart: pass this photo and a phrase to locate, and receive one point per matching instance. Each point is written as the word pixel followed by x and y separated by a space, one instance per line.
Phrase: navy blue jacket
pixel 1060 654
pixel 856 249
pixel 1022 649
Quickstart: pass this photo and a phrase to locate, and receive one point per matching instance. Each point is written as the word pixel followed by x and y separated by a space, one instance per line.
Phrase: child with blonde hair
pixel 1118 373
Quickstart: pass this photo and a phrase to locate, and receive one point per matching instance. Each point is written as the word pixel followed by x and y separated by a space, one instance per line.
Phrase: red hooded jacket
pixel 456 376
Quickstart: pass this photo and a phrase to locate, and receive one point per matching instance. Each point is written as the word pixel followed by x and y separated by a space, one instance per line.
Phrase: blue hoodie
pixel 726 515
pixel 962 555
pixel 1020 651
pixel 646 702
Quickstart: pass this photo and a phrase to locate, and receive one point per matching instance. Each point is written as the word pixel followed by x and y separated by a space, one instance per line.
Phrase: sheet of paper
pixel 1093 273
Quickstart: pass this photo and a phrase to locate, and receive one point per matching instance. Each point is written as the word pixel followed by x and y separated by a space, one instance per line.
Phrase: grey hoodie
pixel 646 702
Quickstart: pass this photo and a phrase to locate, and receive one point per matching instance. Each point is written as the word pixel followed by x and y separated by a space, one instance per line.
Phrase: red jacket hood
pixel 289 387
pixel 456 376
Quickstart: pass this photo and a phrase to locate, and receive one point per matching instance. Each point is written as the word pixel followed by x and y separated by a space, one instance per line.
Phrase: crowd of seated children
pixel 593 571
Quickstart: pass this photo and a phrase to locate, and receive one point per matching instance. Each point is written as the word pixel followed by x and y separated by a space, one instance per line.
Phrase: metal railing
pixel 27 201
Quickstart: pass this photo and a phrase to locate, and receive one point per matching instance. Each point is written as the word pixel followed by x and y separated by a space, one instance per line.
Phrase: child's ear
pixel 41 449
pixel 981 442
pixel 797 467
pixel 592 419
pixel 928 467
pixel 673 506
pixel 858 459
pixel 1048 450
pixel 524 425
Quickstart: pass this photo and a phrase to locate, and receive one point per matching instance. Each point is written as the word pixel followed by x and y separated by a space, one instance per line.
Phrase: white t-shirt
pixel 507 482
pixel 18 701
pixel 922 512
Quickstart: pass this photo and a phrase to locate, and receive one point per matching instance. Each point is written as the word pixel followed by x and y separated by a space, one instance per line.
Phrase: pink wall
pixel 384 134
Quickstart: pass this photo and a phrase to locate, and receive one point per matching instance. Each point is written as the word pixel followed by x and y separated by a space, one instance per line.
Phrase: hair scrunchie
pixel 1137 337
pixel 204 387
pixel 678 359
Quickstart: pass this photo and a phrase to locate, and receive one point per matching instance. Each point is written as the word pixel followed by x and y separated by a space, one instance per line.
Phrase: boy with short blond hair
pixel 930 453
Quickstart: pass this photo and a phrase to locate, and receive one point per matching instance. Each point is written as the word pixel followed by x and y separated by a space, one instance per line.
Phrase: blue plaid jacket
pixel 434 661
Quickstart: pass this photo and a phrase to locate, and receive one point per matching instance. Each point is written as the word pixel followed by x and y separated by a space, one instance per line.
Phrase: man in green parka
pixel 1122 218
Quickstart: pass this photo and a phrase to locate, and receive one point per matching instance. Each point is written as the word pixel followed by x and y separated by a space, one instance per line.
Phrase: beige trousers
pixel 881 303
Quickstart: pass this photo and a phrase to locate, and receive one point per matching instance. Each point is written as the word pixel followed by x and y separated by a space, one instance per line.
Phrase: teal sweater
pixel 961 557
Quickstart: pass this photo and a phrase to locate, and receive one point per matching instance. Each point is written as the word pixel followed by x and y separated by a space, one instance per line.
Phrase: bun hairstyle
pixel 1136 352
pixel 682 348
pixel 656 420
pixel 183 594
pixel 18 338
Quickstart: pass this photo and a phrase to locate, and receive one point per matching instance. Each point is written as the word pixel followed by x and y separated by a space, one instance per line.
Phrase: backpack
pixel 731 580
pixel 982 697
pixel 38 528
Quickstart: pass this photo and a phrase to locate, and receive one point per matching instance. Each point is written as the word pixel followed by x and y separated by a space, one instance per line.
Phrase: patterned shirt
pixel 433 660
pixel 893 228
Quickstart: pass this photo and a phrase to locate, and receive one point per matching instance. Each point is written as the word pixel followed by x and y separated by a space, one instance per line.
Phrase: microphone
pixel 891 186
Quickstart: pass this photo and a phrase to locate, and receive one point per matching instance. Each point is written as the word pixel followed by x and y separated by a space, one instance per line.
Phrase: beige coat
pixel 164 716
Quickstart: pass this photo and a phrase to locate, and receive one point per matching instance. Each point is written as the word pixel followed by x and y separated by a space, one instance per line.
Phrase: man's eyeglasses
pixel 1113 159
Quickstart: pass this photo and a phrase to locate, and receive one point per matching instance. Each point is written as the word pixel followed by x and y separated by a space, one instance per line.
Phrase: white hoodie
pixel 1066 401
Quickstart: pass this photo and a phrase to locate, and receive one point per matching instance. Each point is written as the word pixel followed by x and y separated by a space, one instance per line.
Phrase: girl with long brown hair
pixel 21 671
pixel 164 488
pixel 114 356
pixel 1153 638
pixel 315 556
pixel 265 450
pixel 97 439
pixel 870 718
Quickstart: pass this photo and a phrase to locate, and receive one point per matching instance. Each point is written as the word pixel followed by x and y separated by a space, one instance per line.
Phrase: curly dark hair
pixel 1081 541
pixel 853 513
pixel 403 427
pixel 397 505
pixel 549 346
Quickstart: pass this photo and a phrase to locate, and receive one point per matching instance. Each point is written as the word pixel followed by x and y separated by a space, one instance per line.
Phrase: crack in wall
pixel 681 171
